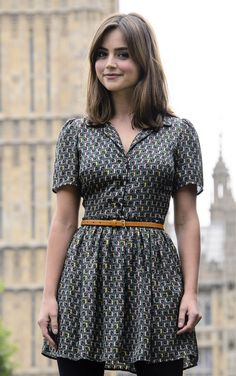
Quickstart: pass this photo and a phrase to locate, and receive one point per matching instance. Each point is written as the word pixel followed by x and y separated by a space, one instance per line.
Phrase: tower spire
pixel 220 145
pixel 223 200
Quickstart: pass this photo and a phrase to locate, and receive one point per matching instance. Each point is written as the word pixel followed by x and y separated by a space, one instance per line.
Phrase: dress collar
pixel 112 133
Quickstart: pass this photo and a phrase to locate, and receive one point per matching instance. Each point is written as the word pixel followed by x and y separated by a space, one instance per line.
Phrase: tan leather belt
pixel 120 223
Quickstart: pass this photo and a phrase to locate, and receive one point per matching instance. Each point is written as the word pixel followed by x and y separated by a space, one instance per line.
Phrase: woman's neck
pixel 122 105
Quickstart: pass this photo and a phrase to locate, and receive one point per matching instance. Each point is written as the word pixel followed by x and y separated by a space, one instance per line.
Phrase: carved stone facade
pixel 216 331
pixel 43 49
pixel 43 70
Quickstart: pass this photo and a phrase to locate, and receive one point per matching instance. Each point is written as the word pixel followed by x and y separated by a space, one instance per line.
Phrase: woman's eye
pixel 100 54
pixel 123 55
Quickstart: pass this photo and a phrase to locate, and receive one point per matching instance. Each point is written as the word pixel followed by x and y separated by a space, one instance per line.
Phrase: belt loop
pixel 118 223
pixel 123 224
pixel 114 223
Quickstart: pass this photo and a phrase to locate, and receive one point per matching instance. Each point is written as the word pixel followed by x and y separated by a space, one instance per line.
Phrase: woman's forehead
pixel 114 37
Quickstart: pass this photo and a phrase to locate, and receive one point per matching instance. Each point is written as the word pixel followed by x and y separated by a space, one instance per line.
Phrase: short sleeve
pixel 66 165
pixel 188 159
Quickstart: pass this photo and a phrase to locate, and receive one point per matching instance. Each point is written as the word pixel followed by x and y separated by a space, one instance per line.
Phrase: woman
pixel 117 295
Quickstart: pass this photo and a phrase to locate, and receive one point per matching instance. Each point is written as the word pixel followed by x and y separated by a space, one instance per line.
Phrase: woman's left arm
pixel 187 230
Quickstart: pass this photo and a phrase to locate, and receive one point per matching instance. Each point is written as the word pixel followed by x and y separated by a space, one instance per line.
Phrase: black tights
pixel 85 367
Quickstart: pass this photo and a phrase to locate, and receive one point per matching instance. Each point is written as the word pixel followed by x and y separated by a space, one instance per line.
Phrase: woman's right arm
pixel 64 225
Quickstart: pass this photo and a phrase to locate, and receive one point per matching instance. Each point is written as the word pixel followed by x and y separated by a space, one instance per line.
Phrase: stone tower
pixel 216 332
pixel 43 70
pixel 217 283
pixel 223 210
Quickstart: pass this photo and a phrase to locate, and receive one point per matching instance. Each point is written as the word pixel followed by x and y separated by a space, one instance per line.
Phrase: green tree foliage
pixel 6 350
pixel 1 287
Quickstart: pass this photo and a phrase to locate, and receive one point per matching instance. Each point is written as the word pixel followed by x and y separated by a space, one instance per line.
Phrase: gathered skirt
pixel 119 297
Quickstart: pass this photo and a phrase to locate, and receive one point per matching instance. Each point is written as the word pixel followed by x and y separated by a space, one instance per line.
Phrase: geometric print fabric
pixel 120 288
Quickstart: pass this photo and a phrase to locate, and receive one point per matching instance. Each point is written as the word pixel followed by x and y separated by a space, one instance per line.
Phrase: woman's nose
pixel 111 62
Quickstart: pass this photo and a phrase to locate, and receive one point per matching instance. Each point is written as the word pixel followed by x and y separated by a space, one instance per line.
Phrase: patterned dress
pixel 121 287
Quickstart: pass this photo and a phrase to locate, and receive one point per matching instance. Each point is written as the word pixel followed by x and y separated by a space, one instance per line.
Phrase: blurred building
pixel 43 70
pixel 43 74
pixel 216 332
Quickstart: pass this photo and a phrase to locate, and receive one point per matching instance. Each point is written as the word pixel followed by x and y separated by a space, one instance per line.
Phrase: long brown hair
pixel 150 98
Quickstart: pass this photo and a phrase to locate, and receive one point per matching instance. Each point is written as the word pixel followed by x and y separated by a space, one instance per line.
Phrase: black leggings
pixel 85 367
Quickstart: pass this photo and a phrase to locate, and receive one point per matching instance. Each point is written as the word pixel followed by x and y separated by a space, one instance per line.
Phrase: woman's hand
pixel 48 317
pixel 189 314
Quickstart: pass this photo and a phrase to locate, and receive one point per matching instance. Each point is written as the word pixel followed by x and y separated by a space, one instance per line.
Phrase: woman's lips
pixel 112 75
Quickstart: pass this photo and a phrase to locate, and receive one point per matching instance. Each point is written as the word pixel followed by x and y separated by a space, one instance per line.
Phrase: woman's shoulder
pixel 74 123
pixel 179 125
pixel 80 122
pixel 175 121
pixel 74 126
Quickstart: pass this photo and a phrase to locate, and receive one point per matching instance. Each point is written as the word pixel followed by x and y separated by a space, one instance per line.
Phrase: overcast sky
pixel 197 45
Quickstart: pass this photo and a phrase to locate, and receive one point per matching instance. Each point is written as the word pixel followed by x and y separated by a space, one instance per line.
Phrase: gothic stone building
pixel 43 49
pixel 43 70
pixel 216 332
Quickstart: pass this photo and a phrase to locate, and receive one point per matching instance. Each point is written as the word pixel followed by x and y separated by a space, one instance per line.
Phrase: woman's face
pixel 114 67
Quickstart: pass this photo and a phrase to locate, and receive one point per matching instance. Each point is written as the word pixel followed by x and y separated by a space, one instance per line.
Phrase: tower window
pixel 220 190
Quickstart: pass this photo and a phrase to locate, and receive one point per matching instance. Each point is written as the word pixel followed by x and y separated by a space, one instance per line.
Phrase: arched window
pixel 220 190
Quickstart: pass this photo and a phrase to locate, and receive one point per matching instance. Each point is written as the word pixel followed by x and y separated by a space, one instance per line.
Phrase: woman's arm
pixel 64 224
pixel 188 238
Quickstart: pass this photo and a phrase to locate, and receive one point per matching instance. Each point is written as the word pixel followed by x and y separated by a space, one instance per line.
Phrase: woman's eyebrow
pixel 116 49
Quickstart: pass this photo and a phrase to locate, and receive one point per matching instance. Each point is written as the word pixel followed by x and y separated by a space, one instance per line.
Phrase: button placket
pixel 125 179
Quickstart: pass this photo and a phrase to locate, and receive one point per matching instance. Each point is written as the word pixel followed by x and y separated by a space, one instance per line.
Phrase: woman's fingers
pixel 46 333
pixel 48 323
pixel 189 314
pixel 182 317
pixel 54 323
pixel 191 320
pixel 50 341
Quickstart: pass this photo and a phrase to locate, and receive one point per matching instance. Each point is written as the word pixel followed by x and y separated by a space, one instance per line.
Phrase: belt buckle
pixel 118 223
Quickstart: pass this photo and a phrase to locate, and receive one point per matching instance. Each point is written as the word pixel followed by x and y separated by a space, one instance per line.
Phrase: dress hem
pixel 116 368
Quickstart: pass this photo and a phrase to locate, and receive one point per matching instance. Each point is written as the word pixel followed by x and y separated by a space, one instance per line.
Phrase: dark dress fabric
pixel 120 288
